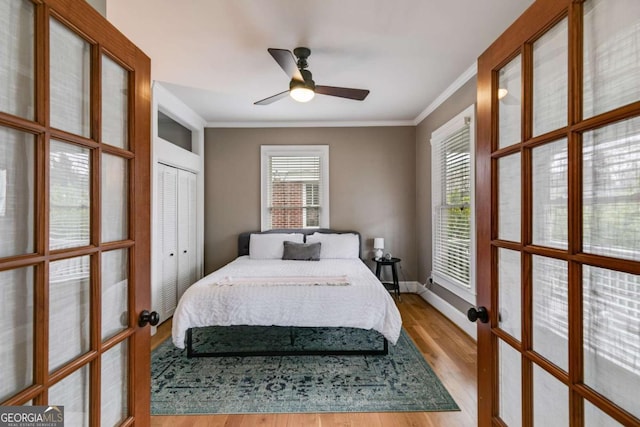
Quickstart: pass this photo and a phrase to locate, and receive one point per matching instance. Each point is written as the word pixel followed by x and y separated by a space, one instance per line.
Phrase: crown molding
pixel 457 84
pixel 311 124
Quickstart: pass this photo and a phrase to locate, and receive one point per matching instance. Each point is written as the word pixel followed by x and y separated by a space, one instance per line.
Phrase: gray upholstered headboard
pixel 243 238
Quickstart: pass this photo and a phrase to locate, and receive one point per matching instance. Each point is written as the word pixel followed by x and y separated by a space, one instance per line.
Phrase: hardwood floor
pixel 449 351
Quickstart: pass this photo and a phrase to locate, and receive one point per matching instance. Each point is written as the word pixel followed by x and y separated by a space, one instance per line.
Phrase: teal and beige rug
pixel 399 381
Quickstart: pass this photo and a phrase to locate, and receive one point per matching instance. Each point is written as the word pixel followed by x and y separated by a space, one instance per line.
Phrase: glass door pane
pixel 550 79
pixel 115 292
pixel 510 103
pixel 114 385
pixel 70 198
pixel 550 400
pixel 550 195
pixel 115 109
pixel 17 66
pixel 594 417
pixel 17 192
pixel 611 190
pixel 551 310
pixel 509 291
pixel 16 330
pixel 611 69
pixel 69 317
pixel 115 203
pixel 510 384
pixel 509 198
pixel 69 81
pixel 73 393
pixel 611 326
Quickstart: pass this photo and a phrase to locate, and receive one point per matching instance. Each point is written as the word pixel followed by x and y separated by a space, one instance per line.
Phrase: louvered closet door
pixel 74 214
pixel 186 211
pixel 558 192
pixel 168 194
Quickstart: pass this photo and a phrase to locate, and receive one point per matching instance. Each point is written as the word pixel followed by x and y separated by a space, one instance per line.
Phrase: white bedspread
pixel 364 303
pixel 284 281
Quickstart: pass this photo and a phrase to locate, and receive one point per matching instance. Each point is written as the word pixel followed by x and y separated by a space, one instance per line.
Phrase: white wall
pixel 172 155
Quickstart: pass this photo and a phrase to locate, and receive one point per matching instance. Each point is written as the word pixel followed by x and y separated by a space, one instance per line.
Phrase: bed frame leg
pixel 190 353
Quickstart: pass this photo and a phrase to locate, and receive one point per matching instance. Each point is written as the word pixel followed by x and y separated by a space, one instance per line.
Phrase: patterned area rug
pixel 400 381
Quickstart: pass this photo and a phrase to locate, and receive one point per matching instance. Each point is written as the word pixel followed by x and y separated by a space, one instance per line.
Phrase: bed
pixel 260 288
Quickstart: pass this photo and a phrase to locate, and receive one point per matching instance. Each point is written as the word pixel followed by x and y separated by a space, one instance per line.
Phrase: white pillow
pixel 271 245
pixel 346 245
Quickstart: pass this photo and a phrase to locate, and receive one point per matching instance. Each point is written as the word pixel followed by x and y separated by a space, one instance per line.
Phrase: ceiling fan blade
pixel 343 92
pixel 287 62
pixel 272 98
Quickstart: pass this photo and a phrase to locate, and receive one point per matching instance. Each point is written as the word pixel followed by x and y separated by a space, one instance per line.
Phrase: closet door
pixel 187 273
pixel 168 190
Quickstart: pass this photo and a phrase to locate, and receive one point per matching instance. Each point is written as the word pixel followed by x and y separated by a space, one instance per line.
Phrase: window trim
pixel 267 151
pixel 437 137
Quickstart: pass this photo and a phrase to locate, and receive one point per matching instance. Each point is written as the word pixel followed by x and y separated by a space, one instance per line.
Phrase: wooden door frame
pixel 518 39
pixel 507 46
pixel 104 39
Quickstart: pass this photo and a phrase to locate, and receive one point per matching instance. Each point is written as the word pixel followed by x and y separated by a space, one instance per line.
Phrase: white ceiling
pixel 212 54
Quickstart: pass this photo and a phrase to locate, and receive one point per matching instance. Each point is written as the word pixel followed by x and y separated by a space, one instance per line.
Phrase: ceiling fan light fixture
pixel 302 94
pixel 302 88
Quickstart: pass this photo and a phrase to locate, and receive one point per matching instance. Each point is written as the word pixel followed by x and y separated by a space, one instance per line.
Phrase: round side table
pixel 392 262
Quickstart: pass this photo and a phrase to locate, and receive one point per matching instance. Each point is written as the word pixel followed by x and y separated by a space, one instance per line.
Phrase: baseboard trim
pixel 458 318
pixel 410 287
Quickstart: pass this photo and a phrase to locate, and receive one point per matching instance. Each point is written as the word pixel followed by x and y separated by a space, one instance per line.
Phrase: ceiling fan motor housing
pixel 302 53
pixel 308 81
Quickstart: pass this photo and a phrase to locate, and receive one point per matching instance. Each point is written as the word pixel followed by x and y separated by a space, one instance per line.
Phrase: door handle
pixel 145 317
pixel 481 313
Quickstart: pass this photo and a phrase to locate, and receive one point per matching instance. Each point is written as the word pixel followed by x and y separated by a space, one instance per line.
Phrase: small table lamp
pixel 378 246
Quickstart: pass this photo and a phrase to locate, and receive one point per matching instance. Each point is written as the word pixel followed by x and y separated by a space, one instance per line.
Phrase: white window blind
pixel 452 205
pixel 295 187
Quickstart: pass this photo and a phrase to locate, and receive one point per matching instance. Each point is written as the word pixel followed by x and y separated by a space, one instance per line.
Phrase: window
pixel 295 186
pixel 452 205
pixel 173 132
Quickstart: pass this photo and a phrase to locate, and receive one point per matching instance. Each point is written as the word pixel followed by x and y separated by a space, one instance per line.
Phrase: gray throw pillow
pixel 301 251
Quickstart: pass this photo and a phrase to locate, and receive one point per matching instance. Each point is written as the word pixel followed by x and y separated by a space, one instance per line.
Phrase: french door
pixel 74 214
pixel 558 190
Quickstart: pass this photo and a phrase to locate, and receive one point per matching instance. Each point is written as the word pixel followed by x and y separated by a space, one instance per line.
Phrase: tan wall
pixel 372 181
pixel 100 6
pixel 460 100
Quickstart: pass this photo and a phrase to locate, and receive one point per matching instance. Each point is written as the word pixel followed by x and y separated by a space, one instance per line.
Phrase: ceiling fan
pixel 302 88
